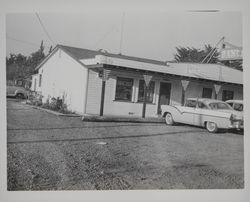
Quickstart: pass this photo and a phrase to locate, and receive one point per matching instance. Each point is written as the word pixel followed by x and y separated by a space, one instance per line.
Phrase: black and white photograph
pixel 124 100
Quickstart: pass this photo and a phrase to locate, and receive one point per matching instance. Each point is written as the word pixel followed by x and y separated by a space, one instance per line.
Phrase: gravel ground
pixel 48 152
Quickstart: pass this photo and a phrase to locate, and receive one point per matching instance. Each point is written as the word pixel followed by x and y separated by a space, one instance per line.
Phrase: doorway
pixel 164 95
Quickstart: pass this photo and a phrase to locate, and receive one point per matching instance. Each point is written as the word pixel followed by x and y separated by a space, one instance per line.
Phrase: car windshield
pixel 219 105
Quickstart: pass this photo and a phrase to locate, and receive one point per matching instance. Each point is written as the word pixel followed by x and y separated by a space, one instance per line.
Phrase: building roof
pixel 214 72
pixel 81 53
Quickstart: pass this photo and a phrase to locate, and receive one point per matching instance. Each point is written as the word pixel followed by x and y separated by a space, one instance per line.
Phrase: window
pixel 207 92
pixel 227 95
pixel 238 107
pixel 219 105
pixel 124 88
pixel 19 83
pixel 40 80
pixel 191 103
pixel 150 92
pixel 202 105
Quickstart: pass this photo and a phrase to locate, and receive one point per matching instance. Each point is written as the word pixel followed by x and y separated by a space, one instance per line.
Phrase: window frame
pixel 131 90
pixel 40 80
pixel 187 101
pixel 207 88
pixel 153 93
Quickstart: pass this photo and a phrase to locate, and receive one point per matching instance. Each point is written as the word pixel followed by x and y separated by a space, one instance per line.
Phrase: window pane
pixel 207 93
pixel 191 103
pixel 238 107
pixel 227 95
pixel 202 105
pixel 150 92
pixel 124 89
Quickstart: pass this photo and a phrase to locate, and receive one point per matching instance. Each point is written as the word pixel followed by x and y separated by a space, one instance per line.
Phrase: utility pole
pixel 121 38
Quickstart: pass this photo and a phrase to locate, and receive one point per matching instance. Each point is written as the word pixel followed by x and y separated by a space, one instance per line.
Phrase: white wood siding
pixel 62 76
pixel 133 108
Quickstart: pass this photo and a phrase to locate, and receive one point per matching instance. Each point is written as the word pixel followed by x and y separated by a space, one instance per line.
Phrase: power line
pixel 213 50
pixel 105 36
pixel 44 29
pixel 24 42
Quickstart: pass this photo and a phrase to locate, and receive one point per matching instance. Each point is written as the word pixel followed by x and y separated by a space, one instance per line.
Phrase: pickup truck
pixel 17 92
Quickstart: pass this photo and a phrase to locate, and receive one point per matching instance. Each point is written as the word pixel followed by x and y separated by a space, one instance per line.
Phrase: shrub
pixel 35 99
pixel 57 104
pixel 52 103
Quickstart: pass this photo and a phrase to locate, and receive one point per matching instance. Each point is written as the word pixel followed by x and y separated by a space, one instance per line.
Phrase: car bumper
pixel 237 125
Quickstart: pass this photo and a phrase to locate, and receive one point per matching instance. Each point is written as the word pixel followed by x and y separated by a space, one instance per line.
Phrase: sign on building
pixel 147 79
pixel 230 52
pixel 184 84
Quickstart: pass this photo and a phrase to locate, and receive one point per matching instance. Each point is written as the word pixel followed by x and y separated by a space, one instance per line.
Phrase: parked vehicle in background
pixel 209 113
pixel 17 92
pixel 236 104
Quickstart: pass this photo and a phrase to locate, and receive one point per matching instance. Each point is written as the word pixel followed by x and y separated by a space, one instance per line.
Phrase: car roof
pixel 235 101
pixel 206 100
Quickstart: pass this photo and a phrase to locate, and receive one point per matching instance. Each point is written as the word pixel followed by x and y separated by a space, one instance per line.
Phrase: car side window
pixel 201 105
pixel 230 103
pixel 190 103
pixel 238 107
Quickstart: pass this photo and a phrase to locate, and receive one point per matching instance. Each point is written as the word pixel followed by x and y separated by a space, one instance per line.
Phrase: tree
pixel 18 65
pixel 50 49
pixel 195 55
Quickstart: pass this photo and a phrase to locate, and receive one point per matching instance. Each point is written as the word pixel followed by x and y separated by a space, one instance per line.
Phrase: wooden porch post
pixel 102 97
pixel 105 77
pixel 144 100
pixel 147 79
pixel 182 96
pixel 184 84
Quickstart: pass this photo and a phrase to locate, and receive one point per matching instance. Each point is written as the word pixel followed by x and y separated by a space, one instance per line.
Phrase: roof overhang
pixel 211 72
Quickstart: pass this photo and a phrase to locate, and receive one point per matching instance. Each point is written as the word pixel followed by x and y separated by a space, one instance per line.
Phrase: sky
pixel 153 35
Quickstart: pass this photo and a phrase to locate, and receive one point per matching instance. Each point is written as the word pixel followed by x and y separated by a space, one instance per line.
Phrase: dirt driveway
pixel 47 152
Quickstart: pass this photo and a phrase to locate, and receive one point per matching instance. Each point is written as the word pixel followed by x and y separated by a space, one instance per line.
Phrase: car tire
pixel 211 127
pixel 169 119
pixel 20 96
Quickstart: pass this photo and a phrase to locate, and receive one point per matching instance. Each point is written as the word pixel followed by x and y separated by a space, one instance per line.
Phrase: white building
pixel 76 75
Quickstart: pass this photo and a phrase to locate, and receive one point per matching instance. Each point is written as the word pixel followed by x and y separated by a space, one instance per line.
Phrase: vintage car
pixel 208 113
pixel 17 92
pixel 236 104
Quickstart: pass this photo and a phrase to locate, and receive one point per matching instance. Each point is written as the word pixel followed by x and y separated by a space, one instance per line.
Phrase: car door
pixel 199 113
pixel 188 111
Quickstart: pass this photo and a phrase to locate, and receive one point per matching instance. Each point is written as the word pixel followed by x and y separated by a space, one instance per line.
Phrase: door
pixel 164 95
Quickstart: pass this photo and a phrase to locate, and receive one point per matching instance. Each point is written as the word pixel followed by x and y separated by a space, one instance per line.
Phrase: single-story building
pixel 98 82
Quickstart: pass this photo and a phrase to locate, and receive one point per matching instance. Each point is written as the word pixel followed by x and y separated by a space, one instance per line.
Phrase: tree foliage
pixel 187 54
pixel 18 65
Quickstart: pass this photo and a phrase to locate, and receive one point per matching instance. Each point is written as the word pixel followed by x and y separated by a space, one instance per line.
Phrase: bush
pixel 56 104
pixel 35 99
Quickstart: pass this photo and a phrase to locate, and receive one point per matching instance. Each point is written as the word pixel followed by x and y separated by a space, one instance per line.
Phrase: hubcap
pixel 169 119
pixel 211 126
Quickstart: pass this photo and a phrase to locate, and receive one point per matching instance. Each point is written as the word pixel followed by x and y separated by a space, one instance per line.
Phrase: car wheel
pixel 19 96
pixel 169 119
pixel 211 127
